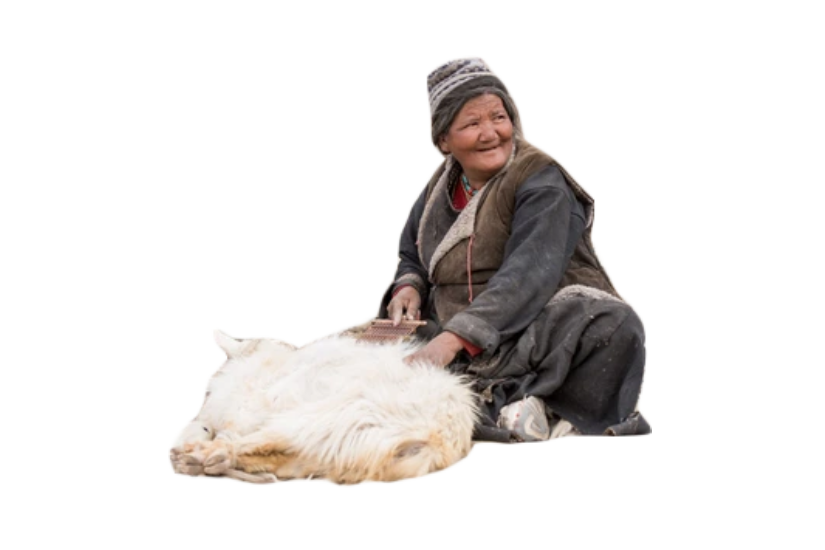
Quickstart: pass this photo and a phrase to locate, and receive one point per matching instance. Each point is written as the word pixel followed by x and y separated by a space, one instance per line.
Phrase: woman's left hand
pixel 439 351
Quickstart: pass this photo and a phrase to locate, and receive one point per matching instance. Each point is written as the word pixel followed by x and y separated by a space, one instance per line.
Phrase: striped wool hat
pixel 451 75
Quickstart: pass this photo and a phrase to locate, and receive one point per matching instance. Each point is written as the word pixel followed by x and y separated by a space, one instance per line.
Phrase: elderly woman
pixel 496 256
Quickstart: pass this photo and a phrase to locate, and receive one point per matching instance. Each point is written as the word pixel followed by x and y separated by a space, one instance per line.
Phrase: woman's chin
pixel 492 160
pixel 490 166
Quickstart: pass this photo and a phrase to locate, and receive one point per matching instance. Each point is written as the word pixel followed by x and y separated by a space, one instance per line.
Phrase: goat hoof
pixel 217 463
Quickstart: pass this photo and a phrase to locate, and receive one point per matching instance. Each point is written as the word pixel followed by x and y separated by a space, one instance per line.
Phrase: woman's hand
pixel 406 304
pixel 439 351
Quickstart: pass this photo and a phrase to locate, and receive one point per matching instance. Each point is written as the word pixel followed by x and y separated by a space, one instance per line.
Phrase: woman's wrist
pixel 452 341
pixel 401 287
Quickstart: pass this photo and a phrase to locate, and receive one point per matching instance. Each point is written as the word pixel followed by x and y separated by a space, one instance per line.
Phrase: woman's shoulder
pixel 546 188
pixel 549 176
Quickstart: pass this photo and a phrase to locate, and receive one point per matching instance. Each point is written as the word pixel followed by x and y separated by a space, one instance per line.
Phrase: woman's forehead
pixel 480 104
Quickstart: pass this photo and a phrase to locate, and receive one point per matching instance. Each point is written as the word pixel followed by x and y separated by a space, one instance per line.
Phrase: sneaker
pixel 527 419
pixel 563 428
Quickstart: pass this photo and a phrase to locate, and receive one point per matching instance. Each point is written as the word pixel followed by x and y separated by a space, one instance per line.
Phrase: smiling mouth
pixel 489 149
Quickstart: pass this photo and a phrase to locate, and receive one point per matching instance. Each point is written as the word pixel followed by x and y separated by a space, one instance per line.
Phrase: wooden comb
pixel 381 331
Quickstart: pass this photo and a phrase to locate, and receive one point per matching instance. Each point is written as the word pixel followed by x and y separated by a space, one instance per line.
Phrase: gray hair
pixel 452 103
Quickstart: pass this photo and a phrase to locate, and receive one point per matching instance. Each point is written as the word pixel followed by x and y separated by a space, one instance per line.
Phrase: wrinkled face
pixel 480 138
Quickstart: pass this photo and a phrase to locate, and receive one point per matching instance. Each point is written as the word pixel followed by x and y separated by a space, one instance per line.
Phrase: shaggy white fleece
pixel 337 408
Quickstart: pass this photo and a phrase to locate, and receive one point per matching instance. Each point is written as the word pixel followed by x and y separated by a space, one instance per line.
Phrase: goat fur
pixel 337 409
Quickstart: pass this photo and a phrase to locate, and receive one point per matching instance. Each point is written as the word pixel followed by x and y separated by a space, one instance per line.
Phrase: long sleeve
pixel 547 224
pixel 410 269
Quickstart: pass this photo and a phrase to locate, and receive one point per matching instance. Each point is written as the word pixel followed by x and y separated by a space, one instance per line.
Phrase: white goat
pixel 337 409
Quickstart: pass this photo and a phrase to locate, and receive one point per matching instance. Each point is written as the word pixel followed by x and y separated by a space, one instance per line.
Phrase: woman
pixel 496 255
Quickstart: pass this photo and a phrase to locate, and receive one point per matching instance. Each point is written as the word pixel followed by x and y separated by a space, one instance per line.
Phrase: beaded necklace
pixel 467 189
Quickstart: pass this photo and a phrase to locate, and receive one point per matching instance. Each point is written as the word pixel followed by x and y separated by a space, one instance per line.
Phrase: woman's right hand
pixel 406 304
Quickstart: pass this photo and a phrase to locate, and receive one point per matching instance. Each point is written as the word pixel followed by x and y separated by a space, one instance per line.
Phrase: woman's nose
pixel 488 131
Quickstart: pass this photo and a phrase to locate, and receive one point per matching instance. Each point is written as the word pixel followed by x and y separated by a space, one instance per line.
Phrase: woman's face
pixel 480 138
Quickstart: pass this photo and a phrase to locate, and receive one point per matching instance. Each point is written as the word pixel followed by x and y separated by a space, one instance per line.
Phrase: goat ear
pixel 231 346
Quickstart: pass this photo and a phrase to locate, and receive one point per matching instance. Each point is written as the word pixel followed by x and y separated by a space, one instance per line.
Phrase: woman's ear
pixel 442 145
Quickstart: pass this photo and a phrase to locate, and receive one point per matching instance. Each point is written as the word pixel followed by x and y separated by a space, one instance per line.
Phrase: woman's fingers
pixel 396 312
pixel 411 315
pixel 396 309
pixel 392 308
pixel 405 305
pixel 413 307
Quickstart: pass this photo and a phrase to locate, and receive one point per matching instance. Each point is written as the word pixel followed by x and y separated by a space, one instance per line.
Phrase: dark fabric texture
pixel 547 225
pixel 583 355
pixel 583 352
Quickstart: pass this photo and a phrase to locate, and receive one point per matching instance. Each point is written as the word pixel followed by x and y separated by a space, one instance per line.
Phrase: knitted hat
pixel 451 75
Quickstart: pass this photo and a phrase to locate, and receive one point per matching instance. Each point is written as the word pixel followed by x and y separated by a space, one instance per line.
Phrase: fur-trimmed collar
pixel 465 224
